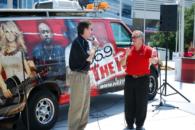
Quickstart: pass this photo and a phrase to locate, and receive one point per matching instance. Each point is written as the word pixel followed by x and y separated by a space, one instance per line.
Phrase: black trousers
pixel 136 99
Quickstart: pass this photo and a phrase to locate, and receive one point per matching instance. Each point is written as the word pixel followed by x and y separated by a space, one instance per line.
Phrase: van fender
pixel 52 86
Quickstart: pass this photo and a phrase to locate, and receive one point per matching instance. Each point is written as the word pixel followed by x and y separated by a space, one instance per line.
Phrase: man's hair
pixel 140 34
pixel 82 26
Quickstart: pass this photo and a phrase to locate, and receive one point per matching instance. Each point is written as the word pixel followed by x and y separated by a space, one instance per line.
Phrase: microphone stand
pixel 165 83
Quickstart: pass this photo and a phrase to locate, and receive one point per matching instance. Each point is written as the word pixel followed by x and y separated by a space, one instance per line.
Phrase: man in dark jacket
pixel 80 59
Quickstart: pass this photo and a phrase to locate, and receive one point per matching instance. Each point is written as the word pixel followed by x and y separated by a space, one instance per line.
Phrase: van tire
pixel 42 104
pixel 153 85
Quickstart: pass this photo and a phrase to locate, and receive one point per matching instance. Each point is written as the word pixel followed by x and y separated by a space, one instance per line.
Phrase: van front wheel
pixel 43 110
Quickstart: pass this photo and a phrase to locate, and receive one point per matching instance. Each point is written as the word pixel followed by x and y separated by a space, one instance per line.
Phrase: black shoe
pixel 140 128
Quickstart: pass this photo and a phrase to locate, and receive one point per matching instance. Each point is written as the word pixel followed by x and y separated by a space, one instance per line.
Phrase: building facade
pixel 121 9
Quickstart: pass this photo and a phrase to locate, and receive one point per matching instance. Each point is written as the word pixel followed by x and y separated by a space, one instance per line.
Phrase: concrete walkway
pixel 107 111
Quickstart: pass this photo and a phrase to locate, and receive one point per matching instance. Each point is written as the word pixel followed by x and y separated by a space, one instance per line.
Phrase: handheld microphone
pixel 92 38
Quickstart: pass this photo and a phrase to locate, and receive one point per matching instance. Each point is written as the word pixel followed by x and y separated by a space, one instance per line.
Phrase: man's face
pixel 87 32
pixel 137 38
pixel 45 32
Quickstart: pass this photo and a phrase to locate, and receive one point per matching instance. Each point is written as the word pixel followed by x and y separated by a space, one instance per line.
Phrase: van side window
pixel 121 35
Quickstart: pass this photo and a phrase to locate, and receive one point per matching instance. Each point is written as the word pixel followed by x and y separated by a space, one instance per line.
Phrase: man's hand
pixel 153 60
pixel 91 53
pixel 7 93
pixel 94 42
pixel 124 59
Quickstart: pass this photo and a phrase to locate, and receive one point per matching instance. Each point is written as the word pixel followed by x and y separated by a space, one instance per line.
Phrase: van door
pixel 105 64
pixel 122 38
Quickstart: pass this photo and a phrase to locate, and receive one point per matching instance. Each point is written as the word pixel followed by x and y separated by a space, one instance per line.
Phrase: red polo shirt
pixel 138 61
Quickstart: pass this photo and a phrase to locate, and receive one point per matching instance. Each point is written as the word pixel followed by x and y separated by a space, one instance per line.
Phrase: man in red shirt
pixel 138 60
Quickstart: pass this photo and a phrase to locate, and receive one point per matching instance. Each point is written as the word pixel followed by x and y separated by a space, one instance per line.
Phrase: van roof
pixel 45 12
pixel 50 13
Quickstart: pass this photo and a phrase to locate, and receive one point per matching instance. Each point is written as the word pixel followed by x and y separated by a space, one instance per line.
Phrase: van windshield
pixel 121 35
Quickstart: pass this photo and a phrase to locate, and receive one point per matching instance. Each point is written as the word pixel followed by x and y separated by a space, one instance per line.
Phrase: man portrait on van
pixel 11 64
pixel 48 54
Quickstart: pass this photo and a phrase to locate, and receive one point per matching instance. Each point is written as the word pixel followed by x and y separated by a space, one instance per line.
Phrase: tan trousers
pixel 79 100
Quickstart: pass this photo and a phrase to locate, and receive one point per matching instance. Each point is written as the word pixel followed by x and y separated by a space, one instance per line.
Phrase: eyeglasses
pixel 135 37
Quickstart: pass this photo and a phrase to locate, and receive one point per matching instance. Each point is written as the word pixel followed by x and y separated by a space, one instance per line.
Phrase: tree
pixel 189 24
pixel 158 40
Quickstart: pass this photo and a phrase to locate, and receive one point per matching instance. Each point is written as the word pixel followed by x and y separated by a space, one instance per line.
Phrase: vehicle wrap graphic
pixel 48 44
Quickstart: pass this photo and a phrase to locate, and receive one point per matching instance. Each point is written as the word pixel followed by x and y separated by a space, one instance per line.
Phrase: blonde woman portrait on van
pixel 12 43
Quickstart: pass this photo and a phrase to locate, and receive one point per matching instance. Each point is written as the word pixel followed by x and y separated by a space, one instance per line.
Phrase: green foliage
pixel 158 40
pixel 189 24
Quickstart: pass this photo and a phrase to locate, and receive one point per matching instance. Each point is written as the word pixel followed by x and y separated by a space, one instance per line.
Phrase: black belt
pixel 80 71
pixel 138 76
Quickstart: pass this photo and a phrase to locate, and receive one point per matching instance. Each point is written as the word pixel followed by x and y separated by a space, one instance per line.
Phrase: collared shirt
pixel 138 61
pixel 78 55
